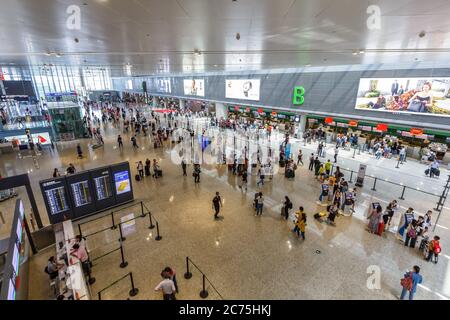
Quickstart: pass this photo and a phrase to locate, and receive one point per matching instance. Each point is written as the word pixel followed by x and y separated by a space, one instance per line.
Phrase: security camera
pixel 422 34
pixel 238 36
pixel 76 40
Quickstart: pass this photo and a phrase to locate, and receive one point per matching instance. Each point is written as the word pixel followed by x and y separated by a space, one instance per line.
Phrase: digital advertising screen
pixel 242 89
pixel 194 87
pixel 19 231
pixel 424 96
pixel 11 291
pixel 122 182
pixel 16 260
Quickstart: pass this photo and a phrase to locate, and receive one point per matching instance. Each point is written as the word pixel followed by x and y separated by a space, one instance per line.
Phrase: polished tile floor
pixel 245 257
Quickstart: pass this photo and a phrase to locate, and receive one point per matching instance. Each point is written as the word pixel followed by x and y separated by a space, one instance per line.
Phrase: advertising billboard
pixel 247 89
pixel 194 87
pixel 424 96
pixel 163 85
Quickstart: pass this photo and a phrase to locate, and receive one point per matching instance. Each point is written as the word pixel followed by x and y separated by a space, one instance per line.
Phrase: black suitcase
pixel 137 177
pixel 155 145
pixel 427 172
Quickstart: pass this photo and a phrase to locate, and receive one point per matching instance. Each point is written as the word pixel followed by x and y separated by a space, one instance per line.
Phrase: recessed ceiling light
pixel 215 65
pixel 355 53
pixel 307 65
pixel 361 51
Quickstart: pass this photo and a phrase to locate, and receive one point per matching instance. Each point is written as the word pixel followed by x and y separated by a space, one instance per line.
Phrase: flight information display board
pixel 103 186
pixel 87 192
pixel 82 194
pixel 56 198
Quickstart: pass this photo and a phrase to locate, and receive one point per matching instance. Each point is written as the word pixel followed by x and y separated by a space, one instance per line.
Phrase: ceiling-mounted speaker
pixel 144 86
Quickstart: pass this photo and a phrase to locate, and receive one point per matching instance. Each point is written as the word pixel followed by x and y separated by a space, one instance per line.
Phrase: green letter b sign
pixel 299 95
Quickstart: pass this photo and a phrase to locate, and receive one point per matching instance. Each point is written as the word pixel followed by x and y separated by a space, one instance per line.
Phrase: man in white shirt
pixel 168 288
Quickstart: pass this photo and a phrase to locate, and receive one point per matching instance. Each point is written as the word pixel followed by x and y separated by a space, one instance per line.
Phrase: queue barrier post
pixel 187 274
pixel 398 163
pixel 134 291
pixel 142 209
pixel 351 176
pixel 122 238
pixel 374 184
pixel 151 226
pixel 354 151
pixel 113 222
pixel 403 193
pixel 158 237
pixel 204 292
pixel 79 230
pixel 124 263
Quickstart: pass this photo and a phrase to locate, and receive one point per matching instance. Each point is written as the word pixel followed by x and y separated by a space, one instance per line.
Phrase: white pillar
pixel 221 111
pixel 181 104
pixel 302 123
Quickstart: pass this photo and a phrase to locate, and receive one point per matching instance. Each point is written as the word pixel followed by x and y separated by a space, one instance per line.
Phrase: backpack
pixel 436 248
pixel 407 282
pixel 412 233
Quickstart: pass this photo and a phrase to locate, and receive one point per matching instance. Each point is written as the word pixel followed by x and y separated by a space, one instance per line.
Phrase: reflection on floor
pixel 244 256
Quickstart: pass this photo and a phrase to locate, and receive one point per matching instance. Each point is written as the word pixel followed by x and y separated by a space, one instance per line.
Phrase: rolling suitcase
pixel 380 228
pixel 137 177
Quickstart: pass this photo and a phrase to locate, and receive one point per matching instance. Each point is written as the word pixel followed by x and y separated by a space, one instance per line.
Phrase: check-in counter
pixel 71 281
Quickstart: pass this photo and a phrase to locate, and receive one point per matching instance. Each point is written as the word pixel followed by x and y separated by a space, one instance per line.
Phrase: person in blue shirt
pixel 416 279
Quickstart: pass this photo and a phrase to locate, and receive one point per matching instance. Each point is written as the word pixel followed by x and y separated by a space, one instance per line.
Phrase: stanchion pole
pixel 351 176
pixel 332 169
pixel 151 226
pixel 123 264
pixel 158 237
pixel 187 274
pixel 204 293
pixel 403 193
pixel 354 151
pixel 134 291
pixel 374 184
pixel 99 296
pixel 359 150
pixel 142 209
pixel 79 230
pixel 113 222
pixel 398 163
pixel 122 238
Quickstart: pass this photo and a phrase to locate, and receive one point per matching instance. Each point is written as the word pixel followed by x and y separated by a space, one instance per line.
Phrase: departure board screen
pixel 81 193
pixel 103 187
pixel 57 200
pixel 11 291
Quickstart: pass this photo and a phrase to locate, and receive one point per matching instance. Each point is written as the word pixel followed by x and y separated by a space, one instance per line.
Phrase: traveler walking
pixel 336 151
pixel 119 141
pixel 217 203
pixel 140 168
pixel 183 166
pixel 300 157
pixel 167 287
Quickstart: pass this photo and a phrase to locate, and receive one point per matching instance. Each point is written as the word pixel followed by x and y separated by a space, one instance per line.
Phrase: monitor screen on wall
pixel 247 89
pixel 163 85
pixel 423 96
pixel 194 87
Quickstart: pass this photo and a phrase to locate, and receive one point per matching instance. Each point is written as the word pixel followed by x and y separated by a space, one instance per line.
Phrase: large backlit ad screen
pixel 242 89
pixel 424 96
pixel 194 87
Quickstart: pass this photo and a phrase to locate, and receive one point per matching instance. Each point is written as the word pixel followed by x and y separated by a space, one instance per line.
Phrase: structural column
pixel 181 104
pixel 221 111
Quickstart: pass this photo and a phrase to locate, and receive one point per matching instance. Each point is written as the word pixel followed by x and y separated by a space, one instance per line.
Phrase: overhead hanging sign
pixel 298 97
pixel 194 87
pixel 242 89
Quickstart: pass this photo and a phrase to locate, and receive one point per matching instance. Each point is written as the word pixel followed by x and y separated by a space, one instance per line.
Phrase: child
pixel 434 248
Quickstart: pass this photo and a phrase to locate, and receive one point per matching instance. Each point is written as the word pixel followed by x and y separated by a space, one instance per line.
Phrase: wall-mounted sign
pixel 242 89
pixel 328 120
pixel 353 123
pixel 299 95
pixel 194 87
pixel 416 131
pixel 382 127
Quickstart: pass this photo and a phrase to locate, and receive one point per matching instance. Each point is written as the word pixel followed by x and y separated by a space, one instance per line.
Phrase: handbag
pixel 415 106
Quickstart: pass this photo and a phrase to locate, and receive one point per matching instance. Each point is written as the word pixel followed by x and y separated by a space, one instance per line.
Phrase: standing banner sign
pixel 361 175
pixel 128 224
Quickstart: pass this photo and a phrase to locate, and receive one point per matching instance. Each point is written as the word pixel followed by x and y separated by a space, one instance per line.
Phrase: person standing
pixel 196 173
pixel 172 274
pixel 134 142
pixel 79 151
pixel 374 219
pixel 217 203
pixel 328 166
pixel 434 248
pixel 147 167
pixel 336 151
pixel 300 157
pixel 261 176
pixel 287 204
pixel 300 224
pixel 259 204
pixel 410 281
pixel 183 166
pixel 56 173
pixel 167 287
pixel 140 168
pixel 119 141
pixel 311 162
